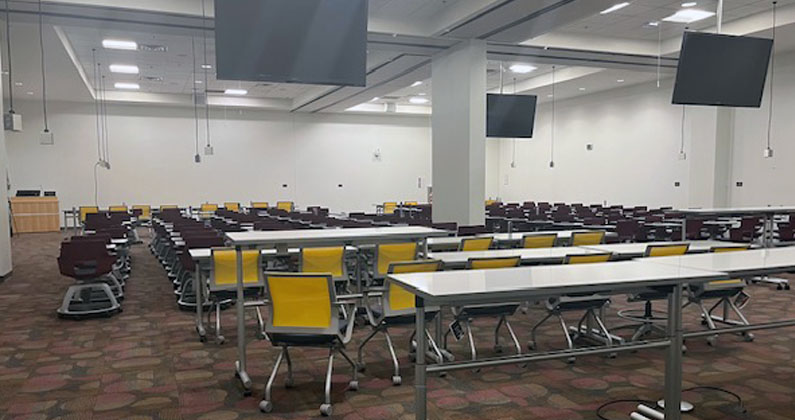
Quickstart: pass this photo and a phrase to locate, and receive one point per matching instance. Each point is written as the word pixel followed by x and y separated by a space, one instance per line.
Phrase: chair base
pixel 88 300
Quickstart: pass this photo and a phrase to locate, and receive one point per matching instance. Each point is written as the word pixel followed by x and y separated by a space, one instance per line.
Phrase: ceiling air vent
pixel 152 48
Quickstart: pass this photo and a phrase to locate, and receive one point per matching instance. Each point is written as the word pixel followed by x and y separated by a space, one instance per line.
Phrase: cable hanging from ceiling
pixel 208 149
pixel 552 124
pixel 768 148
pixel 97 111
pixel 197 157
pixel 10 67
pixel 43 73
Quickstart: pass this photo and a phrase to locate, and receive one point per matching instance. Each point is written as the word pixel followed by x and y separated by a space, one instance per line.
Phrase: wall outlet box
pixel 12 121
pixel 677 184
pixel 589 147
pixel 197 158
pixel 682 156
pixel 739 183
pixel 768 153
pixel 551 164
pixel 46 137
pixel 208 150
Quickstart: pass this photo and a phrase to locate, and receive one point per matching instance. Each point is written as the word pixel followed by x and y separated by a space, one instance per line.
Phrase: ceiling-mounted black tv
pixel 510 116
pixel 292 41
pixel 722 70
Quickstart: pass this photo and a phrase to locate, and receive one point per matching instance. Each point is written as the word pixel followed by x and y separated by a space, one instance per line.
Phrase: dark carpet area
pixel 147 363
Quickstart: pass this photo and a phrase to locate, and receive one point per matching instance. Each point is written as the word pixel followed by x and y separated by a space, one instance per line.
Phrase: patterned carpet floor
pixel 147 363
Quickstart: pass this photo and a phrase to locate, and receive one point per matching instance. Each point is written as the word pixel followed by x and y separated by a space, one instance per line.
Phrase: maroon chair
pixel 472 230
pixel 97 291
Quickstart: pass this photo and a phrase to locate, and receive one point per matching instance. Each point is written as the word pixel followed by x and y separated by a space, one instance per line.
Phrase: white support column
pixel 711 138
pixel 459 134
pixel 5 231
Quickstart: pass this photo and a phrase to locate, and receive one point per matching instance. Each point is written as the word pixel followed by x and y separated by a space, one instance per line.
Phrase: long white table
pixel 284 239
pixel 527 256
pixel 536 283
pixel 755 262
pixel 638 249
pixel 506 239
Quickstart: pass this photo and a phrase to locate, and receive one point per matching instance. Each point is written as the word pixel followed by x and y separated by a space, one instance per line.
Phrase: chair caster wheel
pixel 247 393
pixel 220 340
pixel 289 383
pixel 203 339
pixel 531 345
pixel 711 341
pixel 498 349
pixel 361 367
pixel 786 287
pixel 612 355
pixel 703 322
pixel 260 336
pixel 265 406
pixel 748 337
pixel 397 380
pixel 779 287
pixel 325 409
pixel 571 360
pixel 353 385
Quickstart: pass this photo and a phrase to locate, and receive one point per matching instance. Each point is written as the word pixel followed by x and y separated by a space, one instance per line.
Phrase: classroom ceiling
pixel 404 35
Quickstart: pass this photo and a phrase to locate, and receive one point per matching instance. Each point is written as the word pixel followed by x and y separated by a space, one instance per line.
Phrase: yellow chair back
pixel 84 210
pixel 730 248
pixel 491 263
pixel 666 250
pixel 168 207
pixel 300 300
pixel 588 259
pixel 410 203
pixel 207 207
pixel 490 202
pixel 389 253
pixel 146 211
pixel 323 260
pixel 118 209
pixel 259 204
pixel 232 206
pixel 284 205
pixel 399 298
pixel 390 207
pixel 539 241
pixel 224 269
pixel 587 238
pixel 475 244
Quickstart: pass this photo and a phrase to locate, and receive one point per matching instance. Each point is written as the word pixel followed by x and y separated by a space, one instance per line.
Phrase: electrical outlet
pixel 739 183
pixel 589 147
pixel 551 163
pixel 677 184
pixel 284 185
pixel 339 185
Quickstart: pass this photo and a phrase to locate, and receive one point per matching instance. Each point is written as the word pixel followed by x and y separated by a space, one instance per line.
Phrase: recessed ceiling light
pixel 417 83
pixel 30 92
pixel 418 100
pixel 549 96
pixel 17 83
pixel 236 92
pixel 118 44
pixel 654 23
pixel 126 86
pixel 689 4
pixel 375 99
pixel 620 80
pixel 614 7
pixel 198 82
pixel 582 88
pixel 422 94
pixel 207 66
pixel 522 68
pixel 689 16
pixel 124 68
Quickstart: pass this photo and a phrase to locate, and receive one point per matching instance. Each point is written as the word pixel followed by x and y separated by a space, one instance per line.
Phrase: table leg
pixel 241 326
pixel 420 388
pixel 673 360
pixel 198 287
pixel 684 229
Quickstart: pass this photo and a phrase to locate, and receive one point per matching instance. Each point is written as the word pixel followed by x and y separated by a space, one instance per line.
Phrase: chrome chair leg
pixel 289 382
pixel 532 344
pixel 497 346
pixel 473 352
pixel 219 338
pixel 513 337
pixel 325 408
pixel 396 379
pixel 353 385
pixel 435 351
pixel 361 347
pixel 266 405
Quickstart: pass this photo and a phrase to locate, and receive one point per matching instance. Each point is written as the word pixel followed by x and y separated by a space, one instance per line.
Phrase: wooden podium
pixel 35 214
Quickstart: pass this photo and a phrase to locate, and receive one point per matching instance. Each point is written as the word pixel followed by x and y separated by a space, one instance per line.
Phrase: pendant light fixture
pixel 197 157
pixel 46 135
pixel 208 149
pixel 768 153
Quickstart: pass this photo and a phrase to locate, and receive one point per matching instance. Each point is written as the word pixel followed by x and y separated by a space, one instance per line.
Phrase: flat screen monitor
pixel 292 41
pixel 510 116
pixel 28 193
pixel 722 70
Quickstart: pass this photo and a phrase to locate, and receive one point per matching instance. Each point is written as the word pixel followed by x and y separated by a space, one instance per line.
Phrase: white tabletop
pixel 740 263
pixel 638 249
pixel 204 253
pixel 737 210
pixel 331 236
pixel 530 255
pixel 508 237
pixel 511 284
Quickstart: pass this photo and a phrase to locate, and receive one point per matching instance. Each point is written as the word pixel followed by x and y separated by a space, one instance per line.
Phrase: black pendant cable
pixel 682 154
pixel 104 103
pixel 208 149
pixel 43 74
pixel 513 154
pixel 196 158
pixel 10 70
pixel 98 112
pixel 552 135
pixel 768 149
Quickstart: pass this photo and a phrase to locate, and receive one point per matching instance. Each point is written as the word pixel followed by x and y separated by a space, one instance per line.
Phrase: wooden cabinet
pixel 35 214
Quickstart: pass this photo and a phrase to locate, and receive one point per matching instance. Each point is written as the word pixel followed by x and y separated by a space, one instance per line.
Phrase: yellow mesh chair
pixel 390 207
pixel 386 254
pixel 235 207
pixel 84 210
pixel 329 260
pixel 476 244
pixel 117 209
pixel 259 205
pixel 587 238
pixel 223 281
pixel 393 306
pixel 730 295
pixel 464 314
pixel 168 207
pixel 593 306
pixel 539 241
pixel 648 320
pixel 305 312
pixel 146 211
pixel 285 205
pixel 409 203
pixel 490 202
